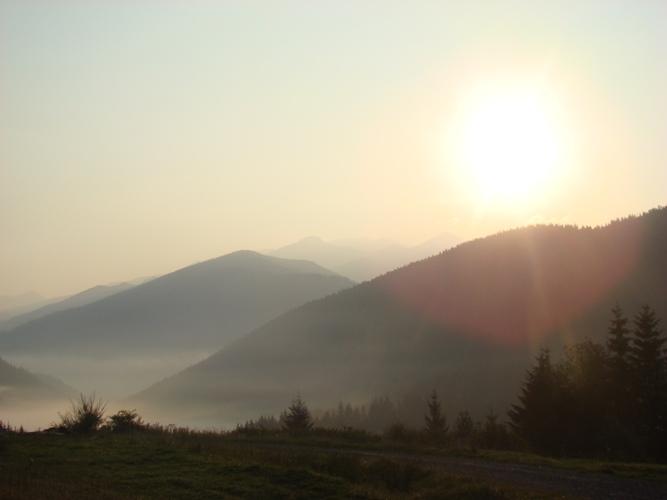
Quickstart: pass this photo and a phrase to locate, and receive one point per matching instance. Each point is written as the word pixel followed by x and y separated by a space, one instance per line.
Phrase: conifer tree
pixel 435 420
pixel 619 384
pixel 648 363
pixel 647 348
pixel 297 419
pixel 618 341
pixel 536 417
pixel 585 403
pixel 494 433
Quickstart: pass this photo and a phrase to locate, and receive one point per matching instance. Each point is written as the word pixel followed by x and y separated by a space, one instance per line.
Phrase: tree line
pixel 598 400
pixel 608 400
pixel 433 429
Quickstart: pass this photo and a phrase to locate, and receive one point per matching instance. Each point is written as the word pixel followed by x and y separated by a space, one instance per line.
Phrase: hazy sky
pixel 140 136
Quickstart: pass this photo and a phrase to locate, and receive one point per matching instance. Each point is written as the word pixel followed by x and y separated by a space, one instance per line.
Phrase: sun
pixel 509 144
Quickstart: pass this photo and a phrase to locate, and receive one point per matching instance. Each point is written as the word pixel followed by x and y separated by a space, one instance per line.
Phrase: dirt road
pixel 568 483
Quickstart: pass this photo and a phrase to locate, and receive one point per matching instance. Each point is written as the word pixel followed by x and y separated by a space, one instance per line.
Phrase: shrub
pixel 125 421
pixel 436 427
pixel 86 415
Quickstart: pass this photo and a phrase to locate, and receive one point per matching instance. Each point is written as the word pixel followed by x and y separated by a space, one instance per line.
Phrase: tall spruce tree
pixel 536 418
pixel 650 391
pixel 584 404
pixel 618 341
pixel 619 386
pixel 435 420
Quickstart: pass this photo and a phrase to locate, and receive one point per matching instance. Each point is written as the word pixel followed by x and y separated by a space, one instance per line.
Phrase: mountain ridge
pixel 361 260
pixel 469 317
pixel 169 321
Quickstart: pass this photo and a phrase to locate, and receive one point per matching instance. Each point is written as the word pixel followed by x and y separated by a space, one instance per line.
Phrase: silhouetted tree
pixel 600 401
pixel 493 433
pixel 297 419
pixel 618 340
pixel 536 418
pixel 619 420
pixel 435 420
pixel 648 363
pixel 86 415
pixel 584 400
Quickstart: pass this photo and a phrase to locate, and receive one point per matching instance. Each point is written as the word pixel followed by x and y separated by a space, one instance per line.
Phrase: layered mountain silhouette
pixel 327 254
pixel 18 385
pixel 467 321
pixel 9 302
pixel 77 300
pixel 154 328
pixel 30 399
pixel 394 256
pixel 13 305
pixel 363 259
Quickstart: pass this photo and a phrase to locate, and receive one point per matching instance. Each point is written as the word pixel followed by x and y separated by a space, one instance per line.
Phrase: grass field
pixel 181 465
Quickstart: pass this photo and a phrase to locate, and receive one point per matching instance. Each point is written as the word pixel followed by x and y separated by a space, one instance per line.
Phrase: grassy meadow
pixel 183 464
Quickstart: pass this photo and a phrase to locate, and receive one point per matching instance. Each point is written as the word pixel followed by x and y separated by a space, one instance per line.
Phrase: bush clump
pixel 125 421
pixel 86 415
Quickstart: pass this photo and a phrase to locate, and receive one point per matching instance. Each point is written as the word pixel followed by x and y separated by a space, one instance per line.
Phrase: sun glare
pixel 509 145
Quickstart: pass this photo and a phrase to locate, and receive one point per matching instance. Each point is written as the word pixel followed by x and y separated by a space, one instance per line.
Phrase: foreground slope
pixel 193 466
pixel 166 323
pixel 467 321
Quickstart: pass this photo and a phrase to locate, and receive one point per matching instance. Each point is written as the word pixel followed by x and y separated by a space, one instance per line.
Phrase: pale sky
pixel 137 137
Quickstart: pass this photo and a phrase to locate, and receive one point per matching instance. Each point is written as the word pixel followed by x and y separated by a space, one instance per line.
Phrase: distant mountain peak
pixel 250 259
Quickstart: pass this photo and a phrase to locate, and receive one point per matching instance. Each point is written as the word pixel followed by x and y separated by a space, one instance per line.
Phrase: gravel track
pixel 568 483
